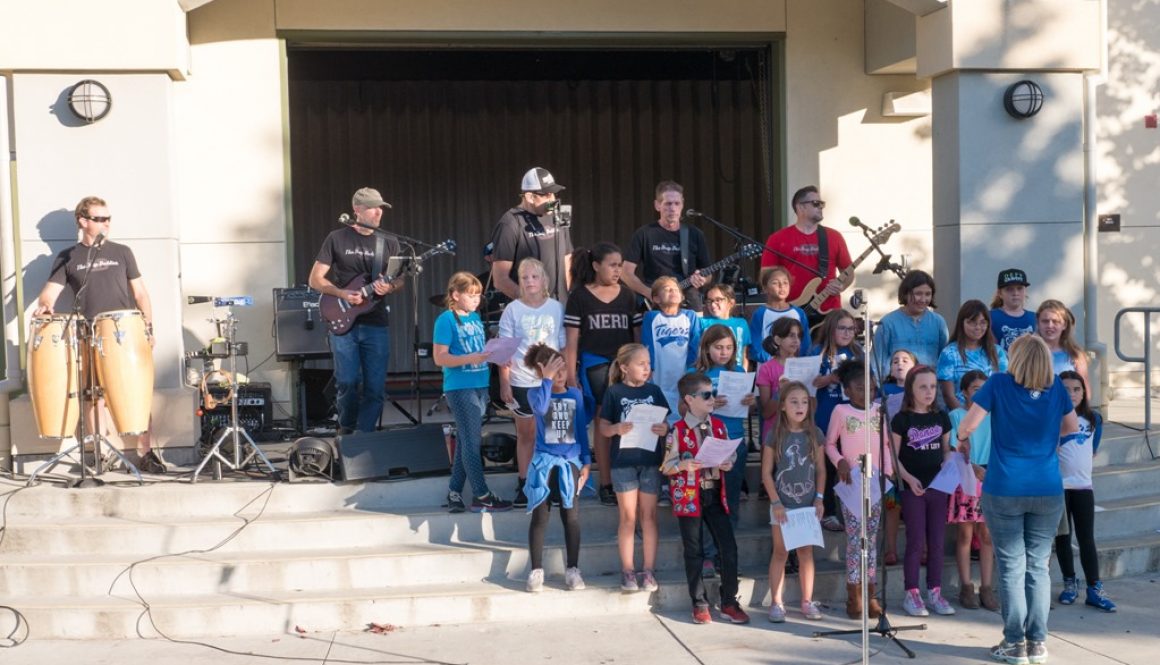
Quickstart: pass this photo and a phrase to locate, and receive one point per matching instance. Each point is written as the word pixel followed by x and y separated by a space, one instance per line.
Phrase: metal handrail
pixel 1147 357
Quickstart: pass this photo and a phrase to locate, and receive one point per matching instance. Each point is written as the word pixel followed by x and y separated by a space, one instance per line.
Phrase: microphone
pixel 856 300
pixel 197 300
pixel 854 221
pixel 344 218
pixel 100 239
pixel 689 212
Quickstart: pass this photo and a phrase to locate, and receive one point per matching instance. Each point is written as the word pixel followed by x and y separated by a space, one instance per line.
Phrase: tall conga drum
pixel 124 363
pixel 53 351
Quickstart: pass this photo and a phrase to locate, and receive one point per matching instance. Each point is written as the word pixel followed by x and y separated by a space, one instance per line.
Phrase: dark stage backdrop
pixel 446 136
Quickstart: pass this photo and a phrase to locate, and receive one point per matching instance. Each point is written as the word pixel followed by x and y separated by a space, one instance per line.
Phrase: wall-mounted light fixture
pixel 1023 99
pixel 90 100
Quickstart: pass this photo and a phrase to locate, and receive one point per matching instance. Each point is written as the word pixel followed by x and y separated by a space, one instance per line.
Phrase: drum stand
pixel 234 432
pixel 93 392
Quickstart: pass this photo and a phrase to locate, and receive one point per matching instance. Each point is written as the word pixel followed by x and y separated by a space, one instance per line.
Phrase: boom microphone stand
pixel 884 627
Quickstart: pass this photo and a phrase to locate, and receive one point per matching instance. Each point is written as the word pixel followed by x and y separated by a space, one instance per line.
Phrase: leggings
pixel 1081 512
pixel 569 517
pixel 926 522
pixel 854 552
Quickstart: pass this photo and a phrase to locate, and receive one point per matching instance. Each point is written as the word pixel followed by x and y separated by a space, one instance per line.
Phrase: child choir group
pixel 597 359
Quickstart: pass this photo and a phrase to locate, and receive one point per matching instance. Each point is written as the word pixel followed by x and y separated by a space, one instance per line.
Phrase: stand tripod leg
pixel 255 451
pixel 214 455
pixel 129 466
pixel 54 460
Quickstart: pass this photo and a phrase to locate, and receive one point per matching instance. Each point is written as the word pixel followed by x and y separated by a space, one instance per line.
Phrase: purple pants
pixel 926 523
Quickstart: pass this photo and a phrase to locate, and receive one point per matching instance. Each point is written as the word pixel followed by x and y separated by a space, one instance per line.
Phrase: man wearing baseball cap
pixel 1009 319
pixel 531 229
pixel 360 354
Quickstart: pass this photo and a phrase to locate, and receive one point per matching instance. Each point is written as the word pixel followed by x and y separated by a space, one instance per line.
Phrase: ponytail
pixel 582 259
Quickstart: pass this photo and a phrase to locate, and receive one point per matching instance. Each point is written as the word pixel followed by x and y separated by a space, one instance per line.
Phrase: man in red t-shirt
pixel 800 243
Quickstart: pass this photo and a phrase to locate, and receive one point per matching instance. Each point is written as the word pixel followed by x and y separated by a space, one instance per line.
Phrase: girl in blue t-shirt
pixel 672 336
pixel 964 510
pixel 458 348
pixel 1056 325
pixel 718 354
pixel 560 464
pixel 972 346
pixel 775 284
pixel 901 363
pixel 719 303
pixel 1009 319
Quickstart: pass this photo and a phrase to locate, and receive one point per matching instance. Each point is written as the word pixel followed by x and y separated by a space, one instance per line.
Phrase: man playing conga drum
pixel 114 283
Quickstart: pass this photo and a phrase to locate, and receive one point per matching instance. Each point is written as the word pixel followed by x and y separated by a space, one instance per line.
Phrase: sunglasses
pixel 704 394
pixel 100 220
pixel 817 204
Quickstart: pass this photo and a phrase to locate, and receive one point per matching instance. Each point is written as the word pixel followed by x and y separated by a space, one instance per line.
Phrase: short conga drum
pixel 124 363
pixel 52 377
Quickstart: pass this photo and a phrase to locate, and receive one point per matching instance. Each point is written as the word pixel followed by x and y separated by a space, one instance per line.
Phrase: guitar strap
pixel 377 265
pixel 823 252
pixel 685 253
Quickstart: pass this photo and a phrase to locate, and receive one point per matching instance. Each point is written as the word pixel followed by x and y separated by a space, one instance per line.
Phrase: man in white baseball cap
pixel 531 229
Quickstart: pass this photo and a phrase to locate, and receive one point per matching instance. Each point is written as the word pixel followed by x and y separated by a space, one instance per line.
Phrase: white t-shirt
pixel 1075 458
pixel 532 325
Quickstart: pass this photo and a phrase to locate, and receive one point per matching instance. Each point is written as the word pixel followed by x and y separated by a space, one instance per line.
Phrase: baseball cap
pixel 1012 276
pixel 368 198
pixel 539 180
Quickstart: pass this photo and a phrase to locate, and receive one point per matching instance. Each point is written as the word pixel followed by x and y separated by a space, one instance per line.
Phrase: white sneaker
pixel 937 603
pixel 536 580
pixel 912 603
pixel 573 580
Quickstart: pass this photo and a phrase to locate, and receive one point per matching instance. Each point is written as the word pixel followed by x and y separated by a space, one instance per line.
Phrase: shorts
pixel 646 479
pixel 523 408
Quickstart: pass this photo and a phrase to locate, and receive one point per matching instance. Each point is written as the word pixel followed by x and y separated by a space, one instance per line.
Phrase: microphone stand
pixel 884 263
pixel 741 238
pixel 380 231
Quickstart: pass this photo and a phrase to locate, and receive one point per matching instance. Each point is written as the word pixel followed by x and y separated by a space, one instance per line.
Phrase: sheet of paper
pixel 851 493
pixel 967 479
pixel 948 478
pixel 802 528
pixel 501 349
pixel 734 386
pixel 804 369
pixel 715 452
pixel 642 417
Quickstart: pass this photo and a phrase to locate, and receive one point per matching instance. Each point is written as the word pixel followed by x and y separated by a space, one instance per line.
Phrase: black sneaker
pixel 455 503
pixel 607 496
pixel 490 503
pixel 521 499
pixel 150 462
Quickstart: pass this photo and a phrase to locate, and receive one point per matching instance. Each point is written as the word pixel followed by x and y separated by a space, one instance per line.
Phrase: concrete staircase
pixel 249 558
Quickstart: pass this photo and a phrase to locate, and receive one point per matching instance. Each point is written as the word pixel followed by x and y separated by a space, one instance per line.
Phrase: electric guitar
pixel 811 301
pixel 340 314
pixel 747 251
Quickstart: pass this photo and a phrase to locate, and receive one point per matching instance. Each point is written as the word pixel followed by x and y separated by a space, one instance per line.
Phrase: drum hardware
pixel 233 433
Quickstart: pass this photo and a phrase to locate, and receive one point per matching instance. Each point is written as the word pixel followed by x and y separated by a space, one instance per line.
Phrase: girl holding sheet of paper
pixel 921 433
pixel 793 472
pixel 845 443
pixel 785 342
pixel 718 354
pixel 965 511
pixel 835 345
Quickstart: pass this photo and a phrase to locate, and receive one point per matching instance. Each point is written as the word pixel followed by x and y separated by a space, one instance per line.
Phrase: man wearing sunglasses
pixel 108 272
pixel 803 242
pixel 536 228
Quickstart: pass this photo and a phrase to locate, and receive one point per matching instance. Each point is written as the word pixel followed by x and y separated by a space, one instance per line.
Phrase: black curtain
pixel 446 136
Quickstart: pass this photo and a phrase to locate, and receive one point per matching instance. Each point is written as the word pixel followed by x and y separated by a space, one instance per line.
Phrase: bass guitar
pixel 340 314
pixel 811 301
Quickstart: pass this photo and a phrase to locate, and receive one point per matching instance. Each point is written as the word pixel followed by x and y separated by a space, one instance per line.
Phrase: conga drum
pixel 52 377
pixel 124 363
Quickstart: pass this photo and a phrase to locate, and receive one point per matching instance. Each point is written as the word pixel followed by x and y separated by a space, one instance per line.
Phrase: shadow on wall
pixel 57 229
pixel 63 113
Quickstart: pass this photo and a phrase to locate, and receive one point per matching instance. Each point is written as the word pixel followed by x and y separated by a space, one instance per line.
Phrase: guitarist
pixel 816 251
pixel 361 354
pixel 667 248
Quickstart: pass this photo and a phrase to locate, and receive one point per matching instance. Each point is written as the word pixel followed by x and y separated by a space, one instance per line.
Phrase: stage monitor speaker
pixel 394 453
pixel 299 331
pixel 320 393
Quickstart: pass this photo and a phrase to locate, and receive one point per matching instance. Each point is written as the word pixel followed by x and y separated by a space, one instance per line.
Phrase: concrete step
pixel 1124 518
pixel 1121 445
pixel 1122 481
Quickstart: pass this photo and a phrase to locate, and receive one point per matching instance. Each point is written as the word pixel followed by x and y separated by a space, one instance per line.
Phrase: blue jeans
pixel 468 406
pixel 360 375
pixel 1022 530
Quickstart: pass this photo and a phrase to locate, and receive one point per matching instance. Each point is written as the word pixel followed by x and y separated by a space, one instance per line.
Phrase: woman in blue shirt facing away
pixel 1023 489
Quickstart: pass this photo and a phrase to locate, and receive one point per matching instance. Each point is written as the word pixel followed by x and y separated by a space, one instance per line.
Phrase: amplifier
pixel 299 331
pixel 255 411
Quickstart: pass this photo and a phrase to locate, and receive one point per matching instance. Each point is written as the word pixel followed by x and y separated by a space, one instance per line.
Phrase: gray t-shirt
pixel 795 474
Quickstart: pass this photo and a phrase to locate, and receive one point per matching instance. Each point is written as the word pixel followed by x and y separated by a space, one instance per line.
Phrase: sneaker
pixel 734 613
pixel 1097 598
pixel 832 523
pixel 573 580
pixel 988 599
pixel 1012 654
pixel 150 462
pixel 536 580
pixel 777 613
pixel 455 503
pixel 1070 591
pixel 607 496
pixel 628 581
pixel 811 611
pixel 648 581
pixel 1036 651
pixel 701 614
pixel 521 499
pixel 490 503
pixel 937 603
pixel 708 570
pixel 912 603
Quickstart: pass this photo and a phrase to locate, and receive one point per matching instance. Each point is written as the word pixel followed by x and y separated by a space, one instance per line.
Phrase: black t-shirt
pixel 657 253
pixel 520 234
pixel 351 254
pixel 113 266
pixel 921 449
pixel 604 326
pixel 618 400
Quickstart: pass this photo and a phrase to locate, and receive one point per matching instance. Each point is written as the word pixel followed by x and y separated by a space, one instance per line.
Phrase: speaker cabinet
pixel 394 453
pixel 299 331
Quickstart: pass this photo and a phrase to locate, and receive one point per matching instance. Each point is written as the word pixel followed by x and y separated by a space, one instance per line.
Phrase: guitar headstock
pixel 446 247
pixel 883 233
pixel 749 250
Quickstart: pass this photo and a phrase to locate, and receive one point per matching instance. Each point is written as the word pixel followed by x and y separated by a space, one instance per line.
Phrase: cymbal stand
pixel 235 433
